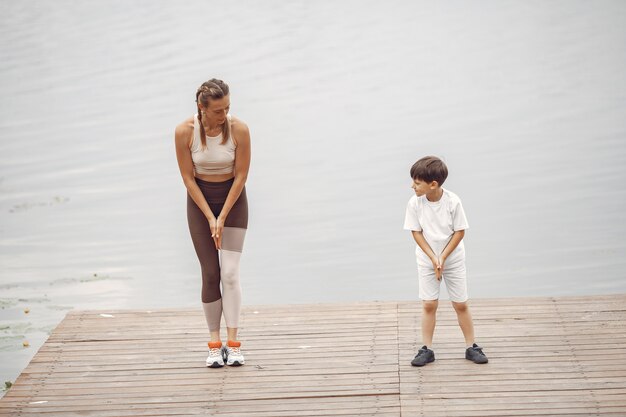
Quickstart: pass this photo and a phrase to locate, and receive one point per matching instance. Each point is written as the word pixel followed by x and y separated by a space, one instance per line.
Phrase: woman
pixel 213 152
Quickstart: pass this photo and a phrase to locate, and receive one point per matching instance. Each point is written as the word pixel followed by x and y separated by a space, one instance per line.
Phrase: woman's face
pixel 215 113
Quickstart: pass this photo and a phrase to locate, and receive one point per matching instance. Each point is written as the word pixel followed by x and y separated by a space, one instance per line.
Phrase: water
pixel 525 101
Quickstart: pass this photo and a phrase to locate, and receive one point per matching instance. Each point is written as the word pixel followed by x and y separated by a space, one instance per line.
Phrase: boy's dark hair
pixel 429 169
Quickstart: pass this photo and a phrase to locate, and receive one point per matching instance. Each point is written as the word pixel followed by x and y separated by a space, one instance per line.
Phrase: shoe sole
pixel 214 365
pixel 479 363
pixel 236 363
pixel 420 365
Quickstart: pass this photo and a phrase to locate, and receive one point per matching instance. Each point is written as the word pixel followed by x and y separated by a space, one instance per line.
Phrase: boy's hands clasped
pixel 438 266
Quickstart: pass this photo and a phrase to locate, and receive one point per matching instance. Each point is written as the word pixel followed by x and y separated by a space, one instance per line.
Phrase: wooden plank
pixel 548 357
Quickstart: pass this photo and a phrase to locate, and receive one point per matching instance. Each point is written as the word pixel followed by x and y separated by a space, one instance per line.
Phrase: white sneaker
pixel 234 357
pixel 215 359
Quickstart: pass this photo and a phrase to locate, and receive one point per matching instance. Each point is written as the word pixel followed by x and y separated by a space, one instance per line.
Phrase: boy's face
pixel 421 187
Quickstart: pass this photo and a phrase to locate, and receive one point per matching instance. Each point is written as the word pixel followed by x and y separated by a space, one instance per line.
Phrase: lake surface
pixel 524 100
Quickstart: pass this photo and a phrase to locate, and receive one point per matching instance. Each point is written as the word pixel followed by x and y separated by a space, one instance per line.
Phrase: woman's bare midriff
pixel 215 178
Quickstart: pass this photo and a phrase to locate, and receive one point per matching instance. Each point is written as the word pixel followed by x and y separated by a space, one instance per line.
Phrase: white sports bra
pixel 215 158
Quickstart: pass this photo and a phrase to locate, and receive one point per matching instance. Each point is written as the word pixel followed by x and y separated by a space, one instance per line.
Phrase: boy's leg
pixel 429 294
pixel 456 284
pixel 429 319
pixel 465 321
pixel 473 351
pixel 429 314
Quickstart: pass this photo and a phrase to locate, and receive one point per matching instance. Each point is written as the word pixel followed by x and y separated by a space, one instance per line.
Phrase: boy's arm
pixel 456 238
pixel 423 244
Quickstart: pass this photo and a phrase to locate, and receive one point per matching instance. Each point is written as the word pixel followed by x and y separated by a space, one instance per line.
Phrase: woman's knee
pixel 230 277
pixel 210 280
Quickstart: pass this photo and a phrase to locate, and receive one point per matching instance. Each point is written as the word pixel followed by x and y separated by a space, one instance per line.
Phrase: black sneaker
pixel 424 356
pixel 475 354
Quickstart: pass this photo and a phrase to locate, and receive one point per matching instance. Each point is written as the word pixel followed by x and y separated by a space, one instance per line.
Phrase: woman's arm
pixel 241 135
pixel 185 164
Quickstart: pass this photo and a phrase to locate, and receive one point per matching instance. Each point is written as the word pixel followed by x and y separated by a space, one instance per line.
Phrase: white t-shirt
pixel 437 221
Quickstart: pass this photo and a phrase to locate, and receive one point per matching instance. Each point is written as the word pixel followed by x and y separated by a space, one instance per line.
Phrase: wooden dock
pixel 548 357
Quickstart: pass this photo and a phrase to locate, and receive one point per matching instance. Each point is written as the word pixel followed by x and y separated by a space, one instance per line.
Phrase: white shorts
pixel 453 275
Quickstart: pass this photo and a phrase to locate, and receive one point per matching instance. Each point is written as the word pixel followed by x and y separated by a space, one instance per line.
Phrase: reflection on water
pixel 525 102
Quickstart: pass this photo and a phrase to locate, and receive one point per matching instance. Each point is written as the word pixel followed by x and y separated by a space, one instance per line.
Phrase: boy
pixel 437 221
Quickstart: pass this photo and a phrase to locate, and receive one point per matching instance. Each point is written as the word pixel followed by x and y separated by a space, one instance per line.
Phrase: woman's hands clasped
pixel 217 228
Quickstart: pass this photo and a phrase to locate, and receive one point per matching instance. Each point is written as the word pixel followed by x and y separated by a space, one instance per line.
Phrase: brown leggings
pixel 219 266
